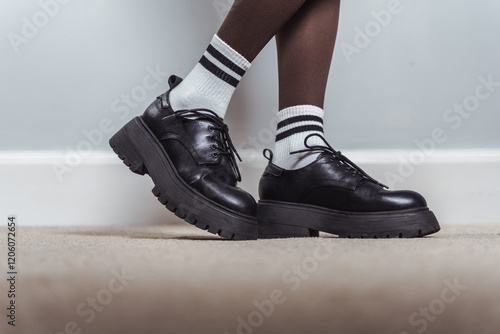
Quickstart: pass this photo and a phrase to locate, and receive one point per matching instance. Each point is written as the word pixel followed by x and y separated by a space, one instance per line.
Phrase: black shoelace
pixel 338 156
pixel 226 148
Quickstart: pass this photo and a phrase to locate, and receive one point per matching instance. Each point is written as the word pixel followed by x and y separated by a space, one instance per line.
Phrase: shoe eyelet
pixel 215 155
pixel 213 147
pixel 210 128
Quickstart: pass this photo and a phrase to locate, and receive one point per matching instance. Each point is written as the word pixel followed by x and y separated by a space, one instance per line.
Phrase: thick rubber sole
pixel 291 220
pixel 139 149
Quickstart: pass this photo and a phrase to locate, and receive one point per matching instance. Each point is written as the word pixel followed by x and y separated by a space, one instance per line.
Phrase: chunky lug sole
pixel 141 151
pixel 291 220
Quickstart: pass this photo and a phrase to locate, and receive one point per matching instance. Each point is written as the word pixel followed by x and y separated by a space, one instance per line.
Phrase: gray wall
pixel 393 91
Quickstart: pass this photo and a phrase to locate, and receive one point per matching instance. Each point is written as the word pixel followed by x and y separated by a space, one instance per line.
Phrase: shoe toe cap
pixel 227 195
pixel 239 200
pixel 403 199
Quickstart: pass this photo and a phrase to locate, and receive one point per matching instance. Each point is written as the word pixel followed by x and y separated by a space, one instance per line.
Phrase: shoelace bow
pixel 228 148
pixel 350 166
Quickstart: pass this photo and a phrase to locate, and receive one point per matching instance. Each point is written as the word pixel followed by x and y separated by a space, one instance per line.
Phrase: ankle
pixel 294 125
pixel 186 98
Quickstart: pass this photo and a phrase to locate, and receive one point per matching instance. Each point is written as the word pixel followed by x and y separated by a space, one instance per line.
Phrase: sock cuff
pixel 295 124
pixel 230 53
pixel 301 110
pixel 299 119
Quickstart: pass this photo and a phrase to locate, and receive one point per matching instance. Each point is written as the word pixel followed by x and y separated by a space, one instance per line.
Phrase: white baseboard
pixel 461 186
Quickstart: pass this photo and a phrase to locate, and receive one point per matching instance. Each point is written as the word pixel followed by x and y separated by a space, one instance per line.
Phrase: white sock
pixel 212 82
pixel 294 125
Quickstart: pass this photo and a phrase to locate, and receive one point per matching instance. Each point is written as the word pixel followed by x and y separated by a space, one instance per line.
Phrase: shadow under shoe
pixel 334 195
pixel 191 160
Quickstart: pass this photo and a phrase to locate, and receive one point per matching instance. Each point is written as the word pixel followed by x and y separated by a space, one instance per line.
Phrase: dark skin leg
pixel 305 49
pixel 305 34
pixel 251 24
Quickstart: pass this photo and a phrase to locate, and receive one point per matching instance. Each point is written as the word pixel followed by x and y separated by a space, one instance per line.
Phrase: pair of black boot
pixel 192 161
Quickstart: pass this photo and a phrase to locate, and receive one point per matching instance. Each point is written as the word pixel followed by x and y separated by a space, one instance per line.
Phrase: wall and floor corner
pixel 102 191
pixel 413 99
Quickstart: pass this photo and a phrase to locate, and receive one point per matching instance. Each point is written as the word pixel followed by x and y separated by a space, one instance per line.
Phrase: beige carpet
pixel 178 279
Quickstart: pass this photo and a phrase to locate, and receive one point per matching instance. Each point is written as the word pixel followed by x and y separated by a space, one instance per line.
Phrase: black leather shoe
pixel 191 159
pixel 333 195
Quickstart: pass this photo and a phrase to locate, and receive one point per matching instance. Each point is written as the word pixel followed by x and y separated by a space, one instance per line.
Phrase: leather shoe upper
pixel 198 144
pixel 332 181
